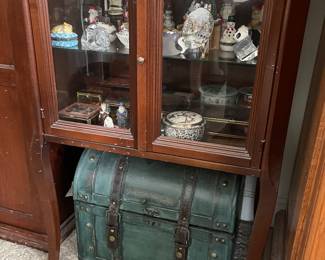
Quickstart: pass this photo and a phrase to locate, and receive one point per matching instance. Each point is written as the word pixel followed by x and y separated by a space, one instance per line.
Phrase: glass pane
pixel 90 41
pixel 209 63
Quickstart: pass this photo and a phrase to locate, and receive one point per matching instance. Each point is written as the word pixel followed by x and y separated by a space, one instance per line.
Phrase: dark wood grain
pixel 18 207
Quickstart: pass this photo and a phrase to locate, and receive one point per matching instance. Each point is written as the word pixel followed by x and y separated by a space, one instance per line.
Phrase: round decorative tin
pixel 184 125
pixel 218 95
pixel 246 96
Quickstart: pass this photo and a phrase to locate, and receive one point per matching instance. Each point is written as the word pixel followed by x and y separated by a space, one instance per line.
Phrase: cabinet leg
pixel 49 204
pixel 263 218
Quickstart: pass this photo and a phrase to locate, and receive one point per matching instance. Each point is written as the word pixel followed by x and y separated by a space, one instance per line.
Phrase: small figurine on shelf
pixel 108 122
pixel 63 36
pixel 227 40
pixel 104 110
pixel 122 116
pixel 244 49
pixel 93 15
pixel 104 115
pixel 169 23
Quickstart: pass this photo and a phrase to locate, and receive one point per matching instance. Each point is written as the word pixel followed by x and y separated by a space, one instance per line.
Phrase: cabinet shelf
pixel 117 50
pixel 214 56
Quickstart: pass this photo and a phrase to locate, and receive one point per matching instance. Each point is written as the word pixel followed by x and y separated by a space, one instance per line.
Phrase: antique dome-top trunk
pixel 131 208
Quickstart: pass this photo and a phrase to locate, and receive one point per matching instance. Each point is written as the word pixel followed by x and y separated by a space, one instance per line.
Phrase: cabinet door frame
pixel 53 127
pixel 249 156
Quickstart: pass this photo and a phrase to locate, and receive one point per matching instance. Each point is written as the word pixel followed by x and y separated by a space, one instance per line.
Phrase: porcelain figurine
pixel 104 111
pixel 227 40
pixel 196 31
pixel 169 23
pixel 122 116
pixel 63 36
pixel 98 37
pixel 108 122
pixel 93 15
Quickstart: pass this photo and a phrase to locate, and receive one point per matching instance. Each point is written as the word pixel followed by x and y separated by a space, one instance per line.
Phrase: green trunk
pixel 150 207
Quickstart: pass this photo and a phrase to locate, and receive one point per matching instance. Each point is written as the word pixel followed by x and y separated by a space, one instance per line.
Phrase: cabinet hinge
pixel 42 113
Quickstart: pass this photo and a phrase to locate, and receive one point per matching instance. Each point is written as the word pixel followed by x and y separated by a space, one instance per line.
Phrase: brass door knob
pixel 140 60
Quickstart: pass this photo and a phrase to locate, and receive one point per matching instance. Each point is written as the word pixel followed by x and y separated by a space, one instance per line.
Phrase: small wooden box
pixel 81 113
pixel 88 97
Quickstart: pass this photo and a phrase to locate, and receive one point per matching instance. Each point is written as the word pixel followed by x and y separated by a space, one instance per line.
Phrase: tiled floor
pixel 11 251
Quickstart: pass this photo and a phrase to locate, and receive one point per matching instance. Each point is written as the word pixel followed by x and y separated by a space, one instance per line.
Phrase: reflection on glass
pixel 90 40
pixel 210 51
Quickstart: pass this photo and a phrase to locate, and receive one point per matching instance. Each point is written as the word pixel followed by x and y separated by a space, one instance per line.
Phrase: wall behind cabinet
pixel 313 29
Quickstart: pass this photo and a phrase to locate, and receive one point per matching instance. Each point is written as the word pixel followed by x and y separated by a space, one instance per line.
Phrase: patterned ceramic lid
pixel 184 119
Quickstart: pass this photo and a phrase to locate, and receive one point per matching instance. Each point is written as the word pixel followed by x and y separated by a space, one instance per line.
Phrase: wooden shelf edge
pixel 244 171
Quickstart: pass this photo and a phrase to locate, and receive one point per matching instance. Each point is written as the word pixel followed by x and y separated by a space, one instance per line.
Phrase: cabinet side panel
pixel 19 205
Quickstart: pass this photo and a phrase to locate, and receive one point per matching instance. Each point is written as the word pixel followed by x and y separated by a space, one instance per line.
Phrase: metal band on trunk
pixel 113 216
pixel 182 232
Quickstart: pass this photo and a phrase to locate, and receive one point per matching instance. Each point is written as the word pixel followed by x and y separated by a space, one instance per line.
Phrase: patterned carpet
pixel 11 251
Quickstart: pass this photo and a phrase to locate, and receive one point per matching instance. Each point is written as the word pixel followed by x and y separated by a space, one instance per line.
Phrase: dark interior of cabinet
pixel 64 160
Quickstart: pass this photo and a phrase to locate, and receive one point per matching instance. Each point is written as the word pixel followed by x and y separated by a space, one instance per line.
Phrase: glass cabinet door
pixel 210 52
pixel 91 46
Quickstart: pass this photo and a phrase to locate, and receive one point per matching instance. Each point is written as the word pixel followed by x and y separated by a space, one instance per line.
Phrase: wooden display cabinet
pixel 242 135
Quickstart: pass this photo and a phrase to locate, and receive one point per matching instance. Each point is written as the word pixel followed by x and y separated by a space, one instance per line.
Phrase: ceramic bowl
pixel 218 95
pixel 184 125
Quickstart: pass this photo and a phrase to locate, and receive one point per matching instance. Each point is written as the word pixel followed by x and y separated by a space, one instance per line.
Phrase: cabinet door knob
pixel 140 60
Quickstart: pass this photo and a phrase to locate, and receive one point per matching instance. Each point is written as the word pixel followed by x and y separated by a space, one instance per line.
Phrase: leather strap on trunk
pixel 182 232
pixel 113 216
